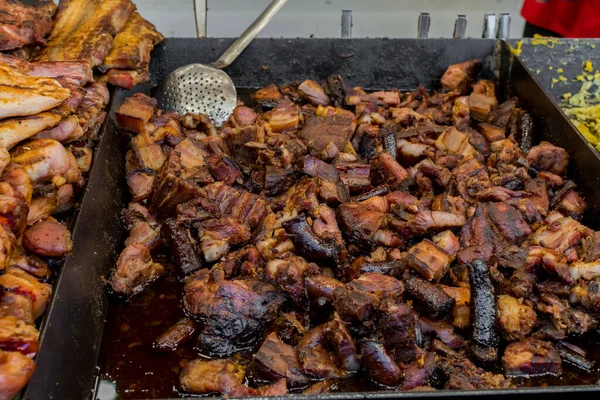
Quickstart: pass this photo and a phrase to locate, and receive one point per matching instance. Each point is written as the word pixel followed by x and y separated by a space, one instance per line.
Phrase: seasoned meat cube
pixel 353 304
pixel 184 255
pixel 461 311
pixel 314 93
pixel 355 175
pixel 516 319
pixel 289 273
pixel 322 286
pixel 380 285
pixel 215 376
pixel 428 259
pixel 315 359
pixel 481 105
pixel 547 157
pixel 135 112
pixel 278 180
pixel 531 357
pixel 237 310
pixel 428 221
pixel 572 205
pixel 509 222
pixel 443 330
pixel 479 230
pixel 458 76
pixel 217 236
pixel 491 132
pixel 178 334
pixel 327 136
pixel 16 305
pixel 430 298
pixel 454 141
pixel 448 242
pixel 560 234
pixel 484 86
pixel 360 221
pixel 267 96
pixel 135 270
pixel 380 366
pixel 275 360
pixel 397 324
pixel 237 203
pixel 385 169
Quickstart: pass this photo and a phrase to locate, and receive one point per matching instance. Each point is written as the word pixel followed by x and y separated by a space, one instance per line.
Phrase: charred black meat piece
pixel 308 244
pixel 483 313
pixel 430 298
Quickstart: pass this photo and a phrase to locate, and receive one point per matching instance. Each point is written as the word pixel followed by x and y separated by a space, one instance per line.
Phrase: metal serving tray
pixel 72 334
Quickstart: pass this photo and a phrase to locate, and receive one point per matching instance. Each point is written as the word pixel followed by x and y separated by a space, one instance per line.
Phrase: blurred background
pixel 322 18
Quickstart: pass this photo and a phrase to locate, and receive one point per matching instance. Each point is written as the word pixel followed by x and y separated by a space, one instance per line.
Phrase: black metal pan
pixel 71 338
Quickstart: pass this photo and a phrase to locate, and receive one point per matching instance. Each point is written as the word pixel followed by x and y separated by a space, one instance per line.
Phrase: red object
pixel 569 18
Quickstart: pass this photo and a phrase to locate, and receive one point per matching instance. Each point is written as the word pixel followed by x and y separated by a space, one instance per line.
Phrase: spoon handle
pixel 249 34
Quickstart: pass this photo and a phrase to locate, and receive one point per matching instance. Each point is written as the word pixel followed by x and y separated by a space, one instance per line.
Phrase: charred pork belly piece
pixel 237 203
pixel 237 310
pixel 355 175
pixel 560 234
pixel 314 93
pixel 267 96
pixel 359 222
pixel 458 76
pixel 531 357
pixel 547 157
pixel 135 112
pixel 354 305
pixel 275 360
pixel 322 286
pixel 509 222
pixel 386 170
pixel 428 259
pixel 218 236
pixel 23 24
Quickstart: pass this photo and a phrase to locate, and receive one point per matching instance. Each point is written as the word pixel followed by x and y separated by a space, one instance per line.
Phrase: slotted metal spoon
pixel 205 88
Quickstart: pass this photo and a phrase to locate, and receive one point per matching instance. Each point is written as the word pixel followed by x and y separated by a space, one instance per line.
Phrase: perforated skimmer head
pixel 199 88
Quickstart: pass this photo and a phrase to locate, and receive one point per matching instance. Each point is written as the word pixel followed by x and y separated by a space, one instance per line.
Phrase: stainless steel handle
pixel 346 24
pixel 504 28
pixel 489 26
pixel 249 34
pixel 460 27
pixel 423 26
pixel 200 16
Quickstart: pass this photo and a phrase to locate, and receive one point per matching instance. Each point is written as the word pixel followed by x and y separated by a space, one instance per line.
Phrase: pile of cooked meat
pixel 417 239
pixel 109 35
pixel 52 111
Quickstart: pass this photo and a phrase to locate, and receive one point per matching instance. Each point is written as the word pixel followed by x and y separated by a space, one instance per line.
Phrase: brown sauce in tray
pixel 130 369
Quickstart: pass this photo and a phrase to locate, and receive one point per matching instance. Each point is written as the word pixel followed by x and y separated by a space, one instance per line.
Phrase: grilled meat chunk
pixel 15 371
pixel 380 366
pixel 222 376
pixel 531 357
pixel 135 270
pixel 23 24
pixel 276 360
pixel 237 310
